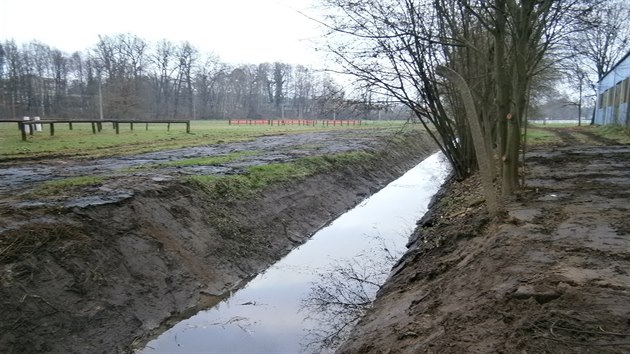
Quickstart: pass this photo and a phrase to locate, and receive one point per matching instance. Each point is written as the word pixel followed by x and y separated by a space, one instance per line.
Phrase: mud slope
pixel 551 277
pixel 103 278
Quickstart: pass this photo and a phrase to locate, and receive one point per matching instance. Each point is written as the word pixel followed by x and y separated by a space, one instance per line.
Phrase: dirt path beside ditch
pixel 551 277
pixel 105 277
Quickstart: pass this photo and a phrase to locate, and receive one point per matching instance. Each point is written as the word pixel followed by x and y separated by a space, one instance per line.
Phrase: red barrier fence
pixel 293 122
pixel 308 122
pixel 342 122
pixel 248 121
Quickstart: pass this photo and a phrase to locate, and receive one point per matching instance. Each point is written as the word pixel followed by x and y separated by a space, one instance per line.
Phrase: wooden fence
pixel 29 126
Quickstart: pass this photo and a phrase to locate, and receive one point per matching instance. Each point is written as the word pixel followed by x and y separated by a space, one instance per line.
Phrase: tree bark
pixel 484 157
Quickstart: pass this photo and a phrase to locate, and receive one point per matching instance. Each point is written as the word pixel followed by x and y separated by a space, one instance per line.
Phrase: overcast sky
pixel 238 31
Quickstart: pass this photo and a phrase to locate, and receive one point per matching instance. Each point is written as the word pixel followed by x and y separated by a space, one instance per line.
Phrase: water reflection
pixel 342 293
pixel 272 313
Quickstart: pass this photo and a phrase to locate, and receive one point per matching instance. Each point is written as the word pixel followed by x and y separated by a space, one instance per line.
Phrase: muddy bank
pixel 104 278
pixel 549 277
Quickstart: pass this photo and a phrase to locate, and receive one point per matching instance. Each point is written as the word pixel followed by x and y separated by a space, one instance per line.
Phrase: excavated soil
pixel 96 271
pixel 551 276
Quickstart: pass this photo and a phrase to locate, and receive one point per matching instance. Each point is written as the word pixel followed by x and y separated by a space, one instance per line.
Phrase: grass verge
pixel 615 132
pixel 61 186
pixel 538 136
pixel 257 178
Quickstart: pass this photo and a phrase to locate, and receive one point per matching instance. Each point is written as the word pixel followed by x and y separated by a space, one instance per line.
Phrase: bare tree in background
pixel 3 98
pixel 280 76
pixel 122 60
pixel 187 57
pixel 205 84
pixel 163 67
pixel 60 66
pixel 606 38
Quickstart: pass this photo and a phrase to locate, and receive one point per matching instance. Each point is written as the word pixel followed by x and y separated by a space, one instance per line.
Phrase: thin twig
pixel 591 332
pixel 588 344
pixel 37 297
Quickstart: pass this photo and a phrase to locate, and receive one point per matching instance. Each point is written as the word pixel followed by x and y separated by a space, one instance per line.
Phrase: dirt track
pixel 550 277
pixel 103 277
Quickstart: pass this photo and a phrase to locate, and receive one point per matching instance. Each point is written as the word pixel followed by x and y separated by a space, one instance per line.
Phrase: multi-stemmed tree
pixel 406 48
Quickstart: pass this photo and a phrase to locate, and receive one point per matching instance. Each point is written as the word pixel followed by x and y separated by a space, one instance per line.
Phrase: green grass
pixel 60 186
pixel 536 136
pixel 80 142
pixel 259 177
pixel 550 124
pixel 539 135
pixel 615 132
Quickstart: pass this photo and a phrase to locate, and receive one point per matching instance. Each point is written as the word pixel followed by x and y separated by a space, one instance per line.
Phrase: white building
pixel 613 95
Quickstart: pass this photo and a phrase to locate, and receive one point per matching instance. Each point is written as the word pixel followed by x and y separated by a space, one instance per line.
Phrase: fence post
pixel 70 125
pixel 117 127
pixel 93 128
pixel 38 127
pixel 168 126
pixel 188 127
pixel 52 129
pixel 27 128
pixel 131 126
pixel 146 126
pixel 22 127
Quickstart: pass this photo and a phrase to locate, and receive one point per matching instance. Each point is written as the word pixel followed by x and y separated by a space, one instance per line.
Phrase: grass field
pixel 538 136
pixel 80 141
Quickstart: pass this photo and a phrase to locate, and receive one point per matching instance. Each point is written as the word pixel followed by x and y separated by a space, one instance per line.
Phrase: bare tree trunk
pixel 484 157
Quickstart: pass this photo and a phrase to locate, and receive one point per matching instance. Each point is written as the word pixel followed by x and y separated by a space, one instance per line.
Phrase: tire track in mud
pixel 601 140
pixel 576 136
pixel 566 136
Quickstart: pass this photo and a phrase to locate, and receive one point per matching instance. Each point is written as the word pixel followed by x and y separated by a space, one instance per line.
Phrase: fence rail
pixel 29 126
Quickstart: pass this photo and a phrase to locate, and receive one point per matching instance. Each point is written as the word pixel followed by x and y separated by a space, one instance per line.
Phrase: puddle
pixel 272 312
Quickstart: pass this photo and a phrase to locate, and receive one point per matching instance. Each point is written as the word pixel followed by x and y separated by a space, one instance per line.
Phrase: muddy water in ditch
pixel 270 314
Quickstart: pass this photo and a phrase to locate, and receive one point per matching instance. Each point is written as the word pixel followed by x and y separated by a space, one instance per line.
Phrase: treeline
pixel 124 76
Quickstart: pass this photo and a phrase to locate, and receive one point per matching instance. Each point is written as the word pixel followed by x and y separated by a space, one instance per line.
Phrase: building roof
pixel 620 71
pixel 616 64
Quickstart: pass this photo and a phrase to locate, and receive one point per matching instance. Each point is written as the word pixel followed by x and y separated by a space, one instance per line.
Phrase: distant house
pixel 613 95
